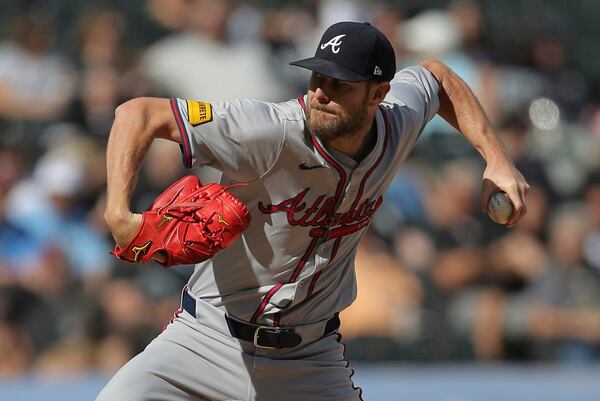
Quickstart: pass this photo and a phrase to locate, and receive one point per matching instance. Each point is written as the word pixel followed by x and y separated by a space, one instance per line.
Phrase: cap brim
pixel 329 69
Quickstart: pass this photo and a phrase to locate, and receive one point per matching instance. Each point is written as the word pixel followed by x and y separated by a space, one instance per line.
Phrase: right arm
pixel 137 123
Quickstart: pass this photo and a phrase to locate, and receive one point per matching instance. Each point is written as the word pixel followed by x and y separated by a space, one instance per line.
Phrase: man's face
pixel 336 108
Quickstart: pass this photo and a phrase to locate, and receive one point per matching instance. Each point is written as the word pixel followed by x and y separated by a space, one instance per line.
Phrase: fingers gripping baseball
pixel 188 223
pixel 505 178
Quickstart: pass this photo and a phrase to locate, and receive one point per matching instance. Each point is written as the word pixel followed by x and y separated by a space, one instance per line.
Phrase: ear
pixel 379 91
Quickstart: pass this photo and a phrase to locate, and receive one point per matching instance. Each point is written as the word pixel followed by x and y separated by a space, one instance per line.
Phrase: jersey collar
pixel 372 158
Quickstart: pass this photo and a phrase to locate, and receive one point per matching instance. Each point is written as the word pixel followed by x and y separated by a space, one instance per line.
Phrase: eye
pixel 343 86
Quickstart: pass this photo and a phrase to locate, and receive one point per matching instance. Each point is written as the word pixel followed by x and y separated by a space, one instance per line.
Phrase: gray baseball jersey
pixel 294 265
pixel 310 204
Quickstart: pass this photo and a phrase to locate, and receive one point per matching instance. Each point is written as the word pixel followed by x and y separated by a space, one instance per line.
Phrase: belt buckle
pixel 275 330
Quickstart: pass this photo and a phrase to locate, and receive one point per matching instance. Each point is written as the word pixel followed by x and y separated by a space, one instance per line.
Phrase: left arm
pixel 460 108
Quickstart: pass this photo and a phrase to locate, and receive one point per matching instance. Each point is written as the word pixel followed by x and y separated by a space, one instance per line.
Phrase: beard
pixel 343 125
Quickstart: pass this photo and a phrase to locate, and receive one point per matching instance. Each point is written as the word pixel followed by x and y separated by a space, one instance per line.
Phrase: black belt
pixel 262 336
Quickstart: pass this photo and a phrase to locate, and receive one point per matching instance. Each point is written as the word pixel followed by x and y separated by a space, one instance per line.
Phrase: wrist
pixel 495 158
pixel 116 216
pixel 494 152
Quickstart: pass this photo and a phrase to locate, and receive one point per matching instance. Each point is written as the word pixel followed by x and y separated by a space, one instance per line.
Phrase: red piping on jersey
pixel 334 250
pixel 302 104
pixel 187 151
pixel 313 243
pixel 374 166
pixel 339 232
pixel 311 287
pixel 276 288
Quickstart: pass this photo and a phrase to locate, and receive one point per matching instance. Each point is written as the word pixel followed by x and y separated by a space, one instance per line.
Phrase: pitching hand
pixel 502 175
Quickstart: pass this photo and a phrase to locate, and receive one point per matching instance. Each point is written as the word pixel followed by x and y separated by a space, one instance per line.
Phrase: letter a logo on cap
pixel 334 43
pixel 377 71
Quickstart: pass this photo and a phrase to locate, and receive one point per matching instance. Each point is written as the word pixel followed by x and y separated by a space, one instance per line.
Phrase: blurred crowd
pixel 438 281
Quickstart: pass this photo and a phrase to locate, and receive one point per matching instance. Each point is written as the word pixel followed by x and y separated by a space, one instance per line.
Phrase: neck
pixel 359 144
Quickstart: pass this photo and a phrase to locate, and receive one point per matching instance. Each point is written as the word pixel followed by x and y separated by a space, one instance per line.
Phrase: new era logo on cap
pixel 353 51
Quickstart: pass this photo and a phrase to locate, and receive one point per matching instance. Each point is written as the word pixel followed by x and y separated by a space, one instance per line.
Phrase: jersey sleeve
pixel 415 90
pixel 241 138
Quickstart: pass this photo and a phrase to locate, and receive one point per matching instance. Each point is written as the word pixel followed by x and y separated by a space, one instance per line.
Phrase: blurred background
pixel 451 307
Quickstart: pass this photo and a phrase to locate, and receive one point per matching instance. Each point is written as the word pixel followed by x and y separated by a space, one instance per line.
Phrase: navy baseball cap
pixel 353 51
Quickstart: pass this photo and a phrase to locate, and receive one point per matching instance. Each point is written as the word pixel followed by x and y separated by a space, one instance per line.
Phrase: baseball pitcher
pixel 275 239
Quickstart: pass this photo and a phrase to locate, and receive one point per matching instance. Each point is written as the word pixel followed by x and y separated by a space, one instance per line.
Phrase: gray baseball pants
pixel 196 358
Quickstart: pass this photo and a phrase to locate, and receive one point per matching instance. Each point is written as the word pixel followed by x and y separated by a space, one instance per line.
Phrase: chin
pixel 326 131
pixel 325 125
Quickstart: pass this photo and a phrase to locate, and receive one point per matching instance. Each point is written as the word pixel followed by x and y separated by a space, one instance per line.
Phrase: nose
pixel 321 96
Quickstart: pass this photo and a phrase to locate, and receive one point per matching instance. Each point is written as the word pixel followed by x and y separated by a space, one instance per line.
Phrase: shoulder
pixel 413 86
pixel 290 110
pixel 253 110
pixel 418 75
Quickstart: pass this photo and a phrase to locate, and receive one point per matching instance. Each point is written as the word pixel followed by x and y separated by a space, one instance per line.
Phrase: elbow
pixel 131 109
pixel 148 116
pixel 135 114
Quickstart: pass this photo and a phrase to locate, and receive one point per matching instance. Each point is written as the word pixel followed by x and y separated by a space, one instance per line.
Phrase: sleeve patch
pixel 199 112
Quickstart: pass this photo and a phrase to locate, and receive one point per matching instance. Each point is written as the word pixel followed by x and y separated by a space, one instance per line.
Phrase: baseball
pixel 500 207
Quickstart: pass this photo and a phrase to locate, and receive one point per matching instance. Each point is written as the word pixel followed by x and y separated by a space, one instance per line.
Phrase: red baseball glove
pixel 188 223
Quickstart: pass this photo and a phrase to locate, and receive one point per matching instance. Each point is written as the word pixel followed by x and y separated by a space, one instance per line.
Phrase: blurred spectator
pixel 15 350
pixel 377 269
pixel 46 207
pixel 387 304
pixel 201 62
pixel 436 34
pixel 568 294
pixel 169 14
pixel 290 34
pixel 565 85
pixel 98 97
pixel 108 74
pixel 35 84
pixel 569 154
pixel 388 19
pixel 591 246
pixel 466 14
pixel 19 249
pixel 100 37
pixel 331 11
pixel 539 304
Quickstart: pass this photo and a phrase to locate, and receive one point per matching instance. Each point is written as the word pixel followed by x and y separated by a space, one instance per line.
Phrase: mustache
pixel 321 108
